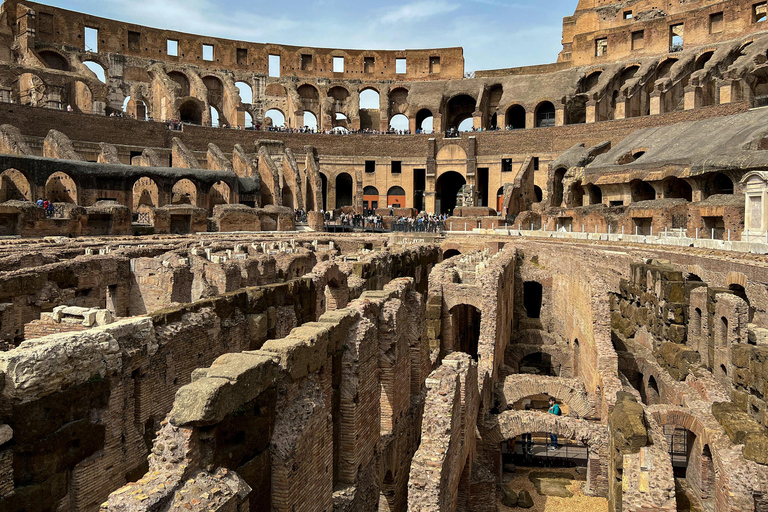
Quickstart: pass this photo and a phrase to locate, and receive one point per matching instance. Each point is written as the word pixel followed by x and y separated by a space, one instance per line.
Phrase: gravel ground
pixel 579 503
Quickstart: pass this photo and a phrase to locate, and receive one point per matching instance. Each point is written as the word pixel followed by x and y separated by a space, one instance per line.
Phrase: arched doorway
pixel 499 199
pixel 721 184
pixel 642 191
pixel 450 253
pixel 545 115
pixel 191 112
pixel 61 188
pixel 145 194
pixel 370 198
pixel 515 117
pixel 425 121
pixel 446 190
pixel 465 325
pixel 274 118
pixel 183 82
pixel 184 192
pixel 344 195
pixel 14 186
pixel 675 188
pixel 310 121
pixel 220 194
pixel 396 197
pixel 287 195
pixel 399 122
pixel 460 108
pixel 557 187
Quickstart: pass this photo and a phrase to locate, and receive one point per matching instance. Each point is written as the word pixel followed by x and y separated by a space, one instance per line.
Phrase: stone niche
pixel 756 199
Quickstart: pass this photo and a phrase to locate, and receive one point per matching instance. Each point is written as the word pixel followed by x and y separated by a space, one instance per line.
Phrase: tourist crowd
pixel 423 223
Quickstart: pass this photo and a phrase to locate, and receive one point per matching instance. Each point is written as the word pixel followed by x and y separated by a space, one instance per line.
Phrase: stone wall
pixel 329 382
pixel 123 378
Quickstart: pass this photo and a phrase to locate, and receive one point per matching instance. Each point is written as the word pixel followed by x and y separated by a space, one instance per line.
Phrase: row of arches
pixel 639 190
pixel 61 187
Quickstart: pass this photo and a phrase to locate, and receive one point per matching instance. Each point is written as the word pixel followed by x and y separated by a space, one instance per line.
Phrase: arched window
pixel 515 117
pixel 545 115
pixel 246 93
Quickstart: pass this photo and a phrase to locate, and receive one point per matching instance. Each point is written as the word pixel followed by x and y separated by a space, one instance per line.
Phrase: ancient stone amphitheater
pixel 188 327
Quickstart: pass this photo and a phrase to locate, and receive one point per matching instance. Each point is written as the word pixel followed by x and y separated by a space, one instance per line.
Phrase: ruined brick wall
pixel 112 413
pixel 447 441
pixel 85 282
pixel 315 393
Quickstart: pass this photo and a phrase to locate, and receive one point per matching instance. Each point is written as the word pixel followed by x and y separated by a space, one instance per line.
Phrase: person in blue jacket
pixel 553 409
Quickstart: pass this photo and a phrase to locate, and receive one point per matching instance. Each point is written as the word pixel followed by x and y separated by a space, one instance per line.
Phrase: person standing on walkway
pixel 553 409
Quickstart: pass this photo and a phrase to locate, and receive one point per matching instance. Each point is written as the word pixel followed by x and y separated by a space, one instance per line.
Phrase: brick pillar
pixel 655 103
pixel 730 91
pixel 621 109
pixel 591 111
pixel 560 115
pixel 692 97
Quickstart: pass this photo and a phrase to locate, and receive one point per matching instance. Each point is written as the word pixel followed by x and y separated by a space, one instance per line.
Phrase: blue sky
pixel 494 33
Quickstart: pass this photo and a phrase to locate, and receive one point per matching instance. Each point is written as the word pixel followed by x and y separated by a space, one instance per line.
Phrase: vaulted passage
pixel 448 186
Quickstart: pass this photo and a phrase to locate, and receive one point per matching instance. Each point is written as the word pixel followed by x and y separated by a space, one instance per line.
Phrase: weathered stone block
pixel 756 447
pixel 736 423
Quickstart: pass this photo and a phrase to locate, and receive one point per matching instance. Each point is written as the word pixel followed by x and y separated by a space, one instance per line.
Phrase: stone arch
pixel 591 80
pixel 396 196
pixel 14 186
pixel 576 194
pixel 54 60
pixel 545 114
pixel 184 191
pixel 371 97
pixel 97 69
pixel 245 92
pixel 516 117
pixel 331 285
pixel 702 60
pixel 458 109
pixel 399 122
pixel 677 188
pixel 642 191
pixel 512 424
pixel 702 460
pixel 309 97
pixel 146 194
pixel 61 188
pixel 446 189
pixel 450 253
pixel 344 190
pixel 558 357
pixel 571 392
pixel 191 111
pixel 721 184
pixel 398 101
pixel 595 195
pixel 422 116
pixel 220 193
pixel 271 115
pixel 183 82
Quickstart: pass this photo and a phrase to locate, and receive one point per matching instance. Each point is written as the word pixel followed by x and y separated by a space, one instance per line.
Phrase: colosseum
pixel 239 277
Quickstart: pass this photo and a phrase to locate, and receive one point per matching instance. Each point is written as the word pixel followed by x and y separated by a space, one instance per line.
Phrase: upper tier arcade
pixel 601 31
pixel 50 25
